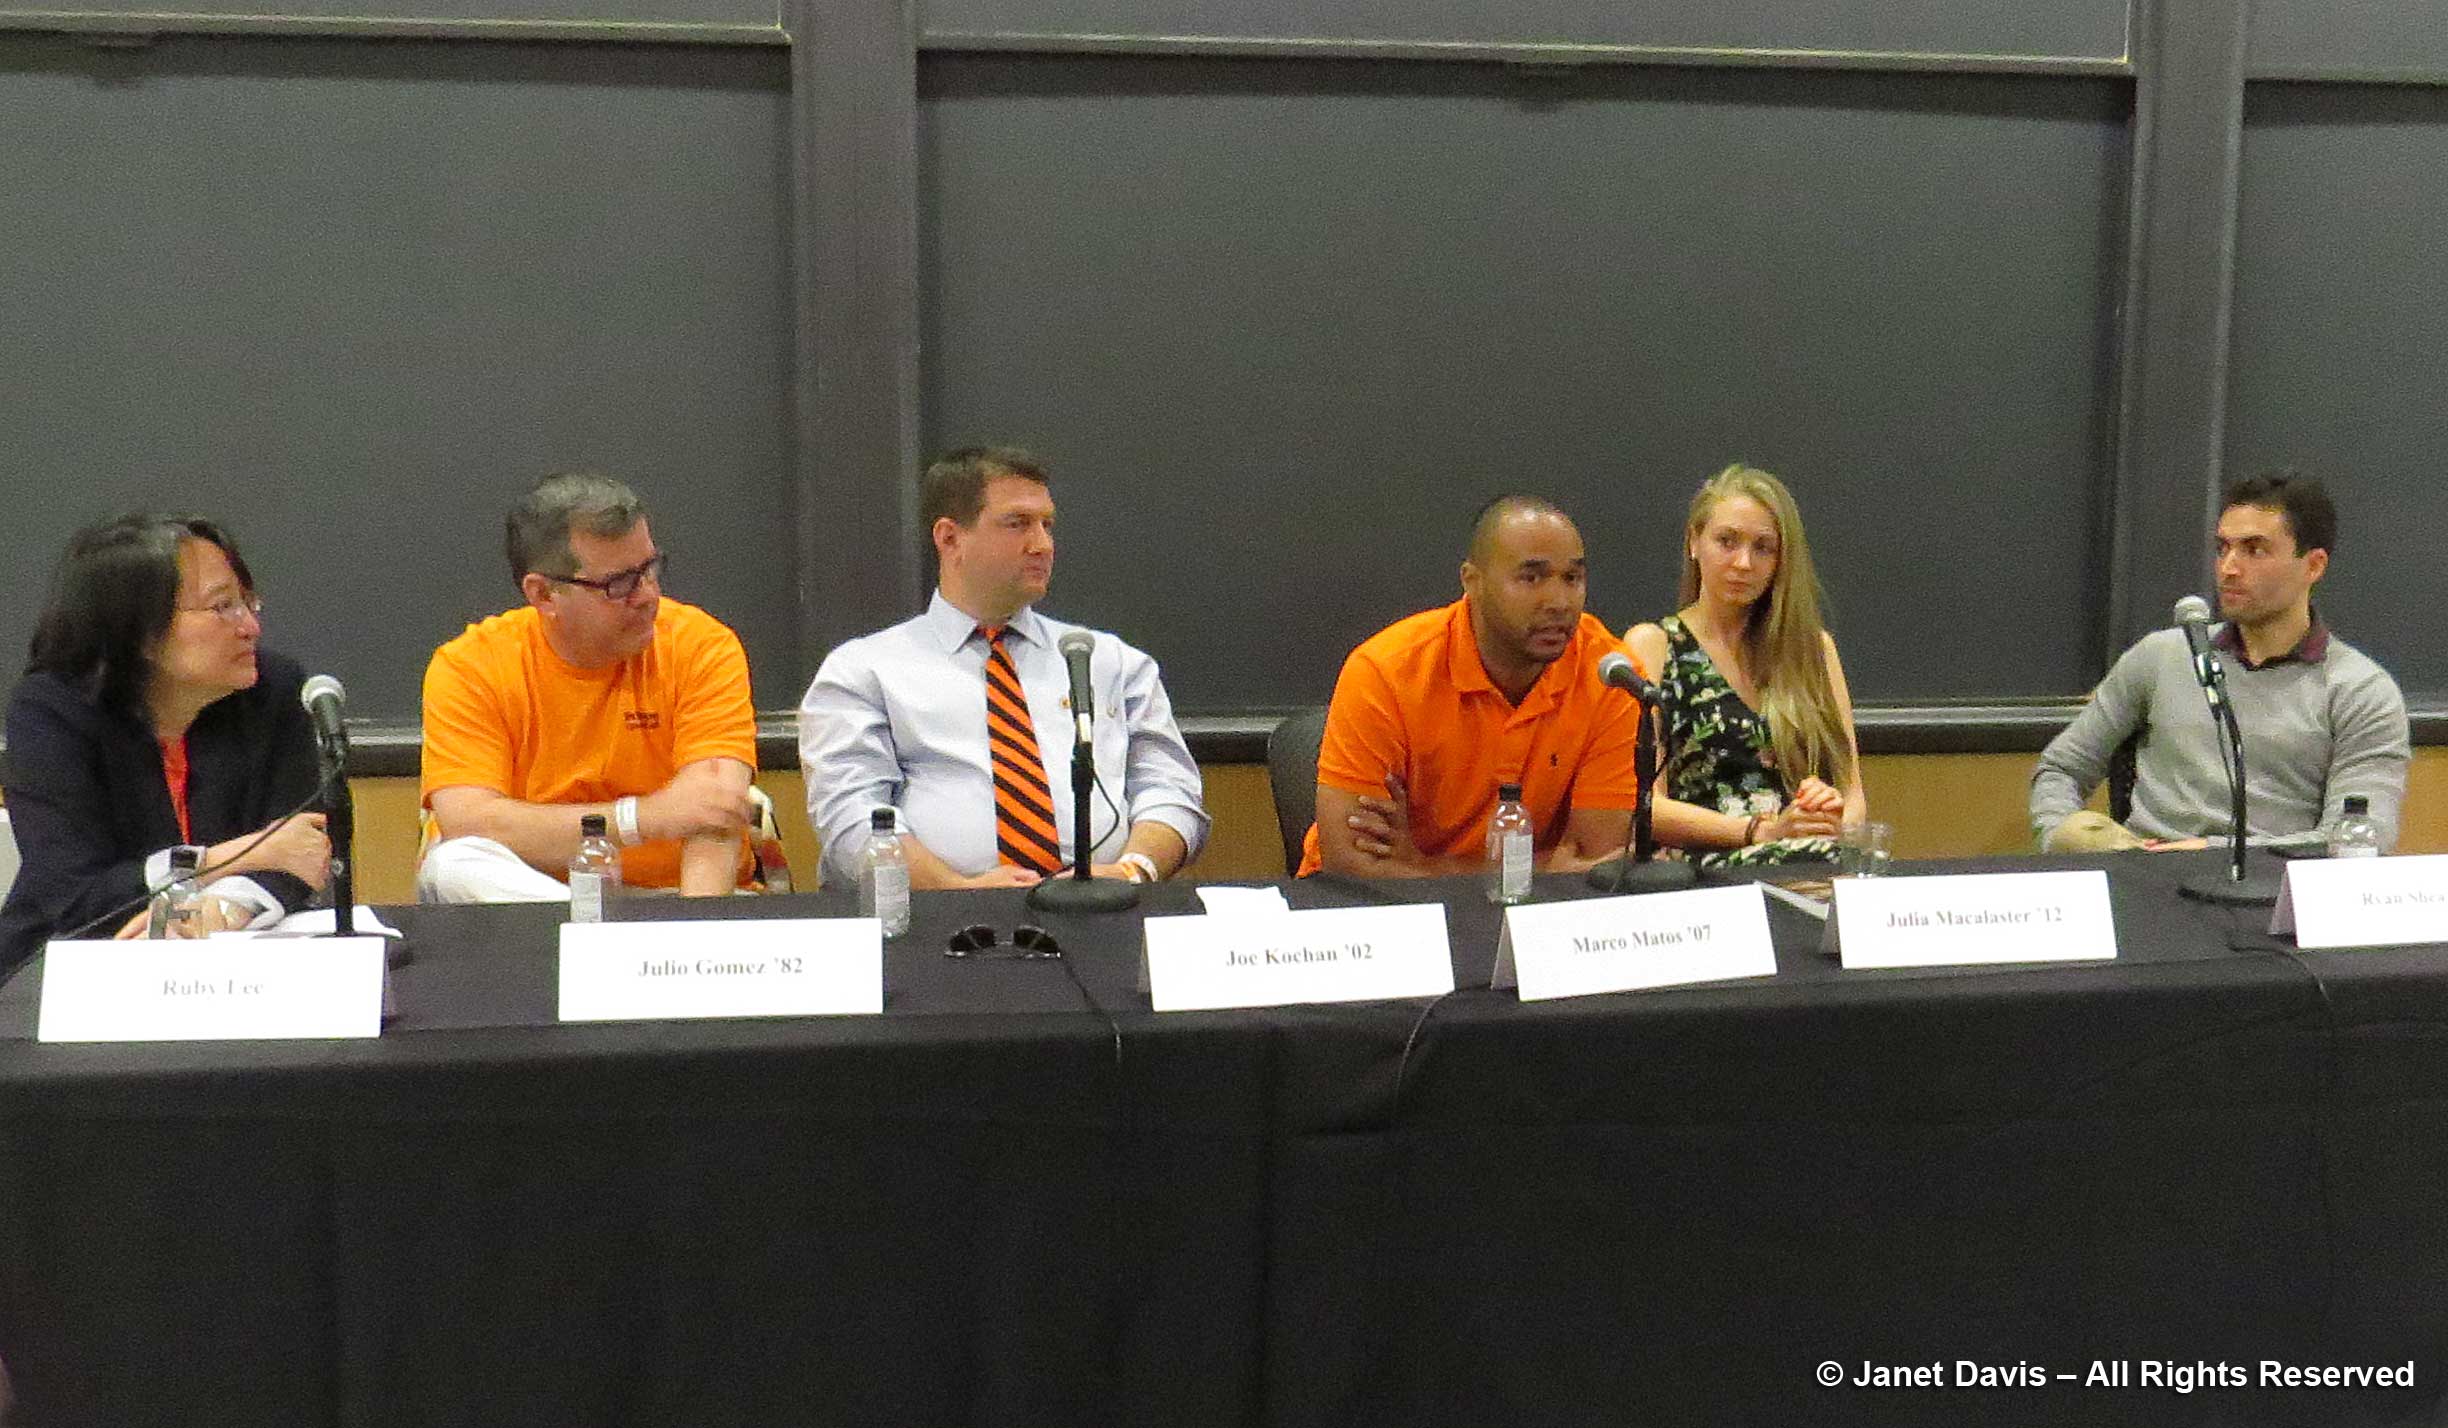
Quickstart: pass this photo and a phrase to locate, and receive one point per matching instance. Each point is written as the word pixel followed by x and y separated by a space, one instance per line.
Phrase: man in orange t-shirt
pixel 596 696
pixel 1436 710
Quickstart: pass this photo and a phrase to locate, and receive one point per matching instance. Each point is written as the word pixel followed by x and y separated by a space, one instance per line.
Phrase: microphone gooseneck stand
pixel 1633 870
pixel 1082 891
pixel 2231 888
pixel 340 820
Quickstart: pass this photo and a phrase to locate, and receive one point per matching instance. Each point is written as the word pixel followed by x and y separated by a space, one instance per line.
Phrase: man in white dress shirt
pixel 961 717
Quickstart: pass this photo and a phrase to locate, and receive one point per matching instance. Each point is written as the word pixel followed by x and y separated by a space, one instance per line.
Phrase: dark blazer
pixel 89 804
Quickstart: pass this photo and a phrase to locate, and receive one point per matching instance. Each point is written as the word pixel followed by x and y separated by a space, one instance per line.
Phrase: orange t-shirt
pixel 502 711
pixel 1415 700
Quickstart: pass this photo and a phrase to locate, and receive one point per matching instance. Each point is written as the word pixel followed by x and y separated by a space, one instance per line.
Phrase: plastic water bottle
pixel 2355 835
pixel 884 875
pixel 594 871
pixel 174 907
pixel 1508 847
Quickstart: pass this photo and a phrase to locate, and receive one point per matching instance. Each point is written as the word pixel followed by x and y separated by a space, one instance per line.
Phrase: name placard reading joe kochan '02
pixel 1345 954
pixel 651 971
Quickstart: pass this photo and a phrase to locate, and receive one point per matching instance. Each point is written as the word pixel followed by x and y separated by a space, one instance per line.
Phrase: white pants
pixel 483 870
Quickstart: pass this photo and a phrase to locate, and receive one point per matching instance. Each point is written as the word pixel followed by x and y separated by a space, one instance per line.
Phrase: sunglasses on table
pixel 980 940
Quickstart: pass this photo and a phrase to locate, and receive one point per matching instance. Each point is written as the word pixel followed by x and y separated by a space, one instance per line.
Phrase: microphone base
pixel 2220 890
pixel 1649 877
pixel 1070 895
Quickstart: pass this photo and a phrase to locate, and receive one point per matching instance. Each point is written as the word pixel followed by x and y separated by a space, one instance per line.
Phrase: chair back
pixel 1292 754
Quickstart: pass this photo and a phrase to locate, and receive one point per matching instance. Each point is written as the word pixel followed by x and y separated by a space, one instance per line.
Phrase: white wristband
pixel 1142 866
pixel 624 819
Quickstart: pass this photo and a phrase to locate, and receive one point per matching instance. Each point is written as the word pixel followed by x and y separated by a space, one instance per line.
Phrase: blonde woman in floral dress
pixel 1760 760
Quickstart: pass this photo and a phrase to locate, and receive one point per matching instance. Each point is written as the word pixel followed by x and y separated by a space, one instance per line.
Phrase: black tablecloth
pixel 1017 1199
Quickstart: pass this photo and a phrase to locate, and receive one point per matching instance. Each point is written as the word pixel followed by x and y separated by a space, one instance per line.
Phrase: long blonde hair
pixel 1784 643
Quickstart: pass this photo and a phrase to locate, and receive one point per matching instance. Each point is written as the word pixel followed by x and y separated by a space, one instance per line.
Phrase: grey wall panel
pixel 2369 36
pixel 1282 327
pixel 2091 28
pixel 352 298
pixel 2341 316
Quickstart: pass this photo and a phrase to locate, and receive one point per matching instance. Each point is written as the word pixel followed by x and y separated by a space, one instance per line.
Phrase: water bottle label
pixel 586 897
pixel 1517 865
pixel 891 892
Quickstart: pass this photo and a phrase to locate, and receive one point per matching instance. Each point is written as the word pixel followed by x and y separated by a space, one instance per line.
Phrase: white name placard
pixel 651 971
pixel 2364 902
pixel 1346 954
pixel 242 989
pixel 1626 944
pixel 1972 919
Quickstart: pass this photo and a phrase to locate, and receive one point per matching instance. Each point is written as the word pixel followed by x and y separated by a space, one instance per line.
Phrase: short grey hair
pixel 537 535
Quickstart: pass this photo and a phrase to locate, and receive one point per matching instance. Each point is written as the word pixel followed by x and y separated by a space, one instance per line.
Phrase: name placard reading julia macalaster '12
pixel 651 971
pixel 2364 902
pixel 1973 919
pixel 1626 944
pixel 215 990
pixel 1349 954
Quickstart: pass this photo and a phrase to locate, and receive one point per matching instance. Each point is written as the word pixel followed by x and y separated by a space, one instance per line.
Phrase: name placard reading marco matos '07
pixel 1346 954
pixel 648 971
pixel 1973 919
pixel 1623 944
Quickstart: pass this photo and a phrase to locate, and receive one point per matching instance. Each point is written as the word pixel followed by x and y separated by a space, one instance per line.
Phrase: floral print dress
pixel 1718 754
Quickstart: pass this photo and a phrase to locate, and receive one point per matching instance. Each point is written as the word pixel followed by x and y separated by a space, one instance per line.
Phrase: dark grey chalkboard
pixel 727 16
pixel 2078 28
pixel 352 298
pixel 1282 327
pixel 2370 36
pixel 2341 315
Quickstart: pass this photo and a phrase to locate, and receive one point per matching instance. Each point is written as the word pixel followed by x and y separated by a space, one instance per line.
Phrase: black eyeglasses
pixel 1027 943
pixel 620 585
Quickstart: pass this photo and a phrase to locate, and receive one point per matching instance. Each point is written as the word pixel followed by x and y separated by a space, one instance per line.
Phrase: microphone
pixel 2193 616
pixel 1617 669
pixel 1076 647
pixel 325 701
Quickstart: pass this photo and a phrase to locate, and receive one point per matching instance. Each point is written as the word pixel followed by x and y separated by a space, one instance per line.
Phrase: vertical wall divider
pixel 2179 302
pixel 854 245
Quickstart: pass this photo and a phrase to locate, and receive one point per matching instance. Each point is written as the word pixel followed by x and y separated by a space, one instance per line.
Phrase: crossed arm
pixel 705 806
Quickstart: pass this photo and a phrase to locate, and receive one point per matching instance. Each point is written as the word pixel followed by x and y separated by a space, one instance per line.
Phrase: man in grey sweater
pixel 2321 721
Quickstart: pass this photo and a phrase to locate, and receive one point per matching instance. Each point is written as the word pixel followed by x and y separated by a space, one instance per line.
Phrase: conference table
pixel 1020 1196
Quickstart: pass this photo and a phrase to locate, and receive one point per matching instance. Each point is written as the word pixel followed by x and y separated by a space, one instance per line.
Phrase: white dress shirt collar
pixel 951 626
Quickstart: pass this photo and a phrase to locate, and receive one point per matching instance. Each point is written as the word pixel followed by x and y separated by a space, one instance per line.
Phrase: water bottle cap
pixel 2357 803
pixel 880 821
pixel 590 825
pixel 1508 792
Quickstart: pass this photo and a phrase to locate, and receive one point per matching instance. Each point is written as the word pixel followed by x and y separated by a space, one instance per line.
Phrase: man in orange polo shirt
pixel 1433 712
pixel 599 695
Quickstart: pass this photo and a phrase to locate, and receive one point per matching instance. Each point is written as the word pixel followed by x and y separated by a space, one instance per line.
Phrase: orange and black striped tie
pixel 1025 834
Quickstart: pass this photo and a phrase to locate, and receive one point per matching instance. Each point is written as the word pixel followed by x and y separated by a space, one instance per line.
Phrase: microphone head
pixel 1616 668
pixel 319 685
pixel 1077 642
pixel 2192 610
